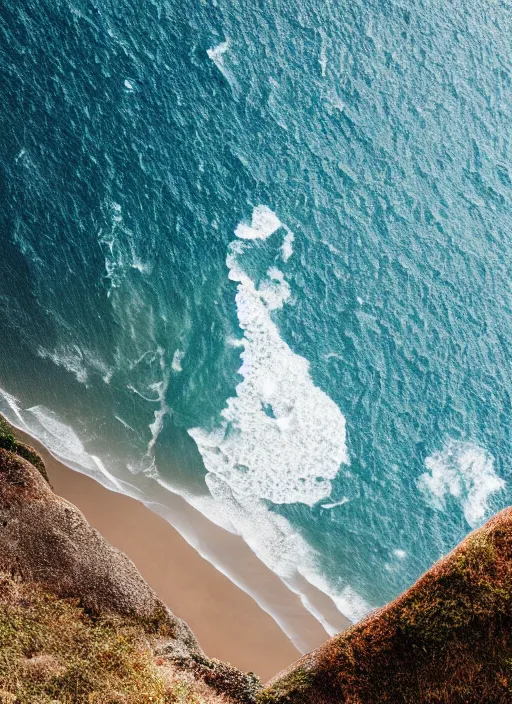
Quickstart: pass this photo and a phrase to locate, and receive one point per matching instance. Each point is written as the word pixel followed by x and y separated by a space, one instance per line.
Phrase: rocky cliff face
pixel 78 623
pixel 446 640
pixel 45 539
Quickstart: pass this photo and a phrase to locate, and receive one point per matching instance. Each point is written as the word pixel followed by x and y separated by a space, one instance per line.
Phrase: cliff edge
pixel 78 623
pixel 446 640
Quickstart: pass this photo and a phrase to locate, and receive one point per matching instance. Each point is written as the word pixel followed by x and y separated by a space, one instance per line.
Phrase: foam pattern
pixel 280 438
pixel 466 472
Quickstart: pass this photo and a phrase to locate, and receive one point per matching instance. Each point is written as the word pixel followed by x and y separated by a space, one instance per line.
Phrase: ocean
pixel 257 257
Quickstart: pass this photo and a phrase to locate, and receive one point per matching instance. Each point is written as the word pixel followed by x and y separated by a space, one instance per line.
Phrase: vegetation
pixel 113 642
pixel 447 640
pixel 7 439
pixel 8 442
pixel 294 688
pixel 52 651
pixel 222 677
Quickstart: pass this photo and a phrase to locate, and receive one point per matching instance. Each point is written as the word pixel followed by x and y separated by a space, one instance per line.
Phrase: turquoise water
pixel 261 254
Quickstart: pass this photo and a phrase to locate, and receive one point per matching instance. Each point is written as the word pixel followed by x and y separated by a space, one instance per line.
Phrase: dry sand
pixel 228 623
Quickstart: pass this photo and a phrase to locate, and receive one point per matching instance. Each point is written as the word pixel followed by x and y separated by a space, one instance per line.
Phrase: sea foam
pixel 263 224
pixel 78 361
pixel 176 361
pixel 217 56
pixel 119 244
pixel 60 439
pixel 464 471
pixel 280 438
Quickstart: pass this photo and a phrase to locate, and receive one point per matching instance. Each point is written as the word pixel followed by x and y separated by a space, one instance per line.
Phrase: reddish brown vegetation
pixel 448 639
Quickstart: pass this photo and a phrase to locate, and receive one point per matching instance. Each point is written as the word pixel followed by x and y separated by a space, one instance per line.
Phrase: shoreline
pixel 228 622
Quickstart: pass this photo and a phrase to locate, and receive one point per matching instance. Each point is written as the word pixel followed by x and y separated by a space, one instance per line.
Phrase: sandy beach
pixel 228 623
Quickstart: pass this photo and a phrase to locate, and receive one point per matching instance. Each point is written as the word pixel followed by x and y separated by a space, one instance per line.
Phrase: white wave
pixel 343 501
pixel 60 439
pixel 335 101
pixel 77 361
pixel 280 438
pixel 275 291
pixel 278 545
pixel 287 246
pixel 11 405
pixel 351 604
pixel 464 471
pixel 263 224
pixel 217 56
pixel 401 554
pixel 60 436
pixel 66 445
pixel 120 250
pixel 218 52
pixel 126 425
pixel 70 359
pixel 160 388
pixel 176 361
pixel 243 520
pixel 333 355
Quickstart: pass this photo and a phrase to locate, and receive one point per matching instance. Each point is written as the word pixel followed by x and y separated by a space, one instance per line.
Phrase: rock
pixel 45 539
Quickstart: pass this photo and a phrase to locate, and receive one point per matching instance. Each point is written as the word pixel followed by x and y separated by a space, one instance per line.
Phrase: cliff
pixel 448 639
pixel 77 621
pixel 78 624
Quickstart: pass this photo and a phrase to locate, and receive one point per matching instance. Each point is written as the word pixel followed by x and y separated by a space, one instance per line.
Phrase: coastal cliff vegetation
pixel 78 624
pixel 446 640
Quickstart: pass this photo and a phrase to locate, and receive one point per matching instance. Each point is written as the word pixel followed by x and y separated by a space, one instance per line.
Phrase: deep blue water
pixel 369 144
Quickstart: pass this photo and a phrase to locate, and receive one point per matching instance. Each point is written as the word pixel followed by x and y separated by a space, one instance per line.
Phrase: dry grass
pixel 52 651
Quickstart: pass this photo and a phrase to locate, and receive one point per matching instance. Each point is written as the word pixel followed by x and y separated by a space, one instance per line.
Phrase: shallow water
pixel 262 255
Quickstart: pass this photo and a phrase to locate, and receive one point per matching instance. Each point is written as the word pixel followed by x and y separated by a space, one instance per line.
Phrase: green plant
pixel 8 442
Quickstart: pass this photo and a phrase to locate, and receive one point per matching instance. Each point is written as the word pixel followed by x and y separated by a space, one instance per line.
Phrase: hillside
pixel 448 639
pixel 77 621
pixel 78 624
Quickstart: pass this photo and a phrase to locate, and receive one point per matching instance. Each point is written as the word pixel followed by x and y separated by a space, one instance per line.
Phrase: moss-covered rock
pixel 8 442
pixel 223 678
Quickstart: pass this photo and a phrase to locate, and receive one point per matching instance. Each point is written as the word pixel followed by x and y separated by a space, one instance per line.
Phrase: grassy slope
pixel 53 651
pixel 448 639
